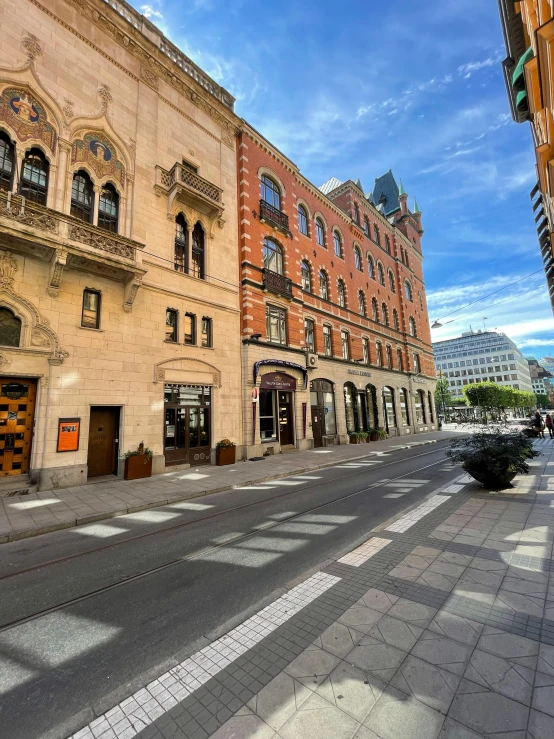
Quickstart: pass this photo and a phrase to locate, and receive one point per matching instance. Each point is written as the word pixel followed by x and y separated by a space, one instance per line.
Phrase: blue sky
pixel 352 89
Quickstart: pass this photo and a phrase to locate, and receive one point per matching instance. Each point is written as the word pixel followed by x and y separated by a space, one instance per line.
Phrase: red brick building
pixel 335 330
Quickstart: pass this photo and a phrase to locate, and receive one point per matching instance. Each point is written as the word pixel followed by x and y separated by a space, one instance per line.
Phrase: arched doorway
pixel 372 407
pixel 322 401
pixel 356 408
pixel 389 410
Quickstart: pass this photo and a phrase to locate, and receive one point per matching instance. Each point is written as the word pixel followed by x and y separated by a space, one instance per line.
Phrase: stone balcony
pixel 67 242
pixel 189 188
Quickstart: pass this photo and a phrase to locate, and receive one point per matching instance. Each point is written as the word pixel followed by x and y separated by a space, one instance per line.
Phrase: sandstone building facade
pixel 119 295
pixel 335 331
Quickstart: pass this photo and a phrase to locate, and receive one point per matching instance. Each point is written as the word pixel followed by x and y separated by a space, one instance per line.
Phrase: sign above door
pixel 277 381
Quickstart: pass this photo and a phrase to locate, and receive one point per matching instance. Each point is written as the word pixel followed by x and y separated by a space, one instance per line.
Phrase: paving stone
pixel 500 675
pixel 338 639
pixel 543 694
pixel 456 627
pixel 540 726
pixel 244 727
pixel 427 683
pixel 351 690
pixel 322 721
pixel 311 667
pixel 453 730
pixel 375 657
pixel 443 652
pixel 397 715
pixel 487 712
pixel 546 659
pixel 401 634
pixel 518 649
pixel 416 613
pixel 360 617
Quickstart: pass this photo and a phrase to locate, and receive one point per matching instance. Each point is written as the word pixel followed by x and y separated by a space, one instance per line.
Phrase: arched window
pixel 198 252
pixel 420 407
pixel 408 291
pixel 385 314
pixel 395 320
pixel 399 360
pixel 273 257
pixel 372 409
pixel 10 328
pixel 306 276
pixel 388 351
pixel 392 283
pixel 82 196
pixel 366 225
pixel 34 176
pixel 341 293
pixel 387 244
pixel 270 192
pixel 412 325
pixel 407 260
pixel 417 364
pixel 430 401
pixel 380 274
pixel 6 162
pixel 337 241
pixel 323 284
pixel 356 215
pixel 350 407
pixel 370 266
pixel 361 303
pixel 376 234
pixel 378 354
pixel 358 259
pixel 181 258
pixel 404 409
pixel 389 411
pixel 108 208
pixel 319 232
pixel 302 220
pixel 374 310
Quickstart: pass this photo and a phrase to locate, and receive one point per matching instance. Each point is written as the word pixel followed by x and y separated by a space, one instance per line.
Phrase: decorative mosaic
pixel 99 153
pixel 27 117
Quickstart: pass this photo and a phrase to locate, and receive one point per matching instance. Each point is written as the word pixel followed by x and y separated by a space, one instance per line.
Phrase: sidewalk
pixel 440 626
pixel 40 513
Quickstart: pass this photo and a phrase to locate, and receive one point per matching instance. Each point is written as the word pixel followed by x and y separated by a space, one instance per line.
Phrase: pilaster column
pixel 97 190
pixel 59 200
pixel 127 202
pixel 19 157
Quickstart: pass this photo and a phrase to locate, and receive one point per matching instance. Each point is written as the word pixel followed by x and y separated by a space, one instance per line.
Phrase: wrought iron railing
pixel 276 283
pixel 274 216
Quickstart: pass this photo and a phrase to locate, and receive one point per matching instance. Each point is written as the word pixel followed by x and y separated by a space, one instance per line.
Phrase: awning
pixel 522 104
pixel 518 77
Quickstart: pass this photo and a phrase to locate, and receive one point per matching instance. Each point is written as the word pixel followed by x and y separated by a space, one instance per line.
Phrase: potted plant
pixel 381 434
pixel 362 436
pixel 138 463
pixel 225 452
pixel 373 434
pixel 354 438
pixel 493 456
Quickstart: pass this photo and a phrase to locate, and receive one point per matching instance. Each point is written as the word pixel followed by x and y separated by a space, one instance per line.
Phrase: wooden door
pixel 317 425
pixel 286 435
pixel 103 441
pixel 17 410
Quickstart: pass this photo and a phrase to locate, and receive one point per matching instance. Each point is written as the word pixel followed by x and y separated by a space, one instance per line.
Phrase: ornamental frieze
pixel 27 117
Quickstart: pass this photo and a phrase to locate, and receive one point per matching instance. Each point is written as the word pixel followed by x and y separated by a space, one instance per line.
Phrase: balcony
pixel 183 184
pixel 65 241
pixel 276 283
pixel 274 216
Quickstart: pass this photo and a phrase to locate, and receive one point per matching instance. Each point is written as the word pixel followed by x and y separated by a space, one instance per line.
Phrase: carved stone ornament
pixel 148 76
pixel 4 361
pixel 160 374
pixel 38 338
pixel 32 46
pixel 105 97
pixel 8 268
pixel 67 109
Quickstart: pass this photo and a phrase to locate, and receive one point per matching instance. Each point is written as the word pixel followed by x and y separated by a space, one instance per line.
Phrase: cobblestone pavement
pixel 50 510
pixel 441 625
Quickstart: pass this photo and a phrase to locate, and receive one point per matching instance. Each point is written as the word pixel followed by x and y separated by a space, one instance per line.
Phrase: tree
pixel 443 396
pixel 485 395
pixel 542 400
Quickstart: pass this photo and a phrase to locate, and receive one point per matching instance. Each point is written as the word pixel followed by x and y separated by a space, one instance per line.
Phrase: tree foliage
pixel 492 397
pixel 443 396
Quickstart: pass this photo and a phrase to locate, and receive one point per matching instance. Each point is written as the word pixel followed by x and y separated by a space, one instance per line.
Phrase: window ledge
pixel 89 328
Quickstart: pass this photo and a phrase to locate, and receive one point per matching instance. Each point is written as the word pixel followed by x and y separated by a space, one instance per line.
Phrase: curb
pixel 72 523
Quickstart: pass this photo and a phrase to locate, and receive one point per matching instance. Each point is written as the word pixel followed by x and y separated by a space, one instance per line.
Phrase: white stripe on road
pixel 364 552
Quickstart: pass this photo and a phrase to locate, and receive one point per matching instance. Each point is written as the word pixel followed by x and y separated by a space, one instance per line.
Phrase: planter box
pixel 374 437
pixel 225 455
pixel 137 467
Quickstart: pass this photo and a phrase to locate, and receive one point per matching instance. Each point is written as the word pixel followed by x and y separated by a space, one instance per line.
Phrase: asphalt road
pixel 88 616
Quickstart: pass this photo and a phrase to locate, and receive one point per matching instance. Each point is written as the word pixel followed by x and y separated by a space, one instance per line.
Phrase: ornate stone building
pixel 335 329
pixel 119 301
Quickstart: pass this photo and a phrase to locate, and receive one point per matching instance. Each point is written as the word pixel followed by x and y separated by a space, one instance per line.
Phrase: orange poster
pixel 68 434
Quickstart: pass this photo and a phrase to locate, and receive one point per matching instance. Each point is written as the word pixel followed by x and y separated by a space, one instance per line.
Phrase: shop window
pixel 404 409
pixel 10 328
pixel 322 397
pixel 171 325
pixel 108 208
pixel 90 317
pixel 198 252
pixel 190 328
pixel 309 331
pixel 345 344
pixel 34 177
pixel 7 161
pixel 276 324
pixel 181 244
pixel 207 339
pixel 328 341
pixel 389 410
pixel 268 426
pixel 350 407
pixel 82 197
pixel 431 414
pixel 302 220
pixel 420 407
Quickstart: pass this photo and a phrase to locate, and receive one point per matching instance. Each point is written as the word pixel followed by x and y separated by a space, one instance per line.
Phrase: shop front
pixel 187 431
pixel 277 390
pixel 324 421
pixel 360 408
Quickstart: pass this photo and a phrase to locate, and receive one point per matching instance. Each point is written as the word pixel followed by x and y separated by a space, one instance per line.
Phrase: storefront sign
pixel 68 434
pixel 281 363
pixel 277 381
pixel 361 373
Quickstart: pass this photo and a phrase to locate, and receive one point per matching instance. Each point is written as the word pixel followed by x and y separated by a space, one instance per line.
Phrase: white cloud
pixel 468 69
pixel 149 12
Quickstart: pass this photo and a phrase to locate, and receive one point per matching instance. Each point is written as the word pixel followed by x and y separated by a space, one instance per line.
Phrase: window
pixel 380 274
pixel 345 344
pixel 388 351
pixel 207 339
pixel 10 328
pixel 365 350
pixel 358 259
pixel 400 360
pixel 337 241
pixel 268 427
pixel 309 333
pixel 395 323
pixel 392 283
pixel 34 176
pixel 190 166
pixel 366 225
pixel 181 261
pixel 417 364
pixel 270 192
pixel 276 324
pixel 387 244
pixel 361 303
pixel 306 274
pixel 302 220
pixel 341 292
pixel 374 310
pixel 378 354
pixel 376 235
pixel 356 215
pixel 389 411
pixel 108 208
pixel 323 285
pixel 408 291
pixel 198 252
pixel 404 406
pixel 273 257
pixel 328 341
pixel 90 317
pixel 190 328
pixel 82 197
pixel 385 314
pixel 420 407
pixel 413 331
pixel 6 162
pixel 319 232
pixel 370 266
pixel 171 325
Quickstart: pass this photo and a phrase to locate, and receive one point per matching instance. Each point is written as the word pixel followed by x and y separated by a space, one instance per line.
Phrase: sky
pixel 355 88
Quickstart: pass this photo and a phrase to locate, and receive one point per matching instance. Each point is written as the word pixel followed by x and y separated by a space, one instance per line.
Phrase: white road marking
pixel 364 552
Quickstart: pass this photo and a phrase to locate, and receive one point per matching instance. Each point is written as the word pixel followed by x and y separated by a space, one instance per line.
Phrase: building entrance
pixel 103 440
pixel 286 430
pixel 187 424
pixel 17 410
pixel 322 401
